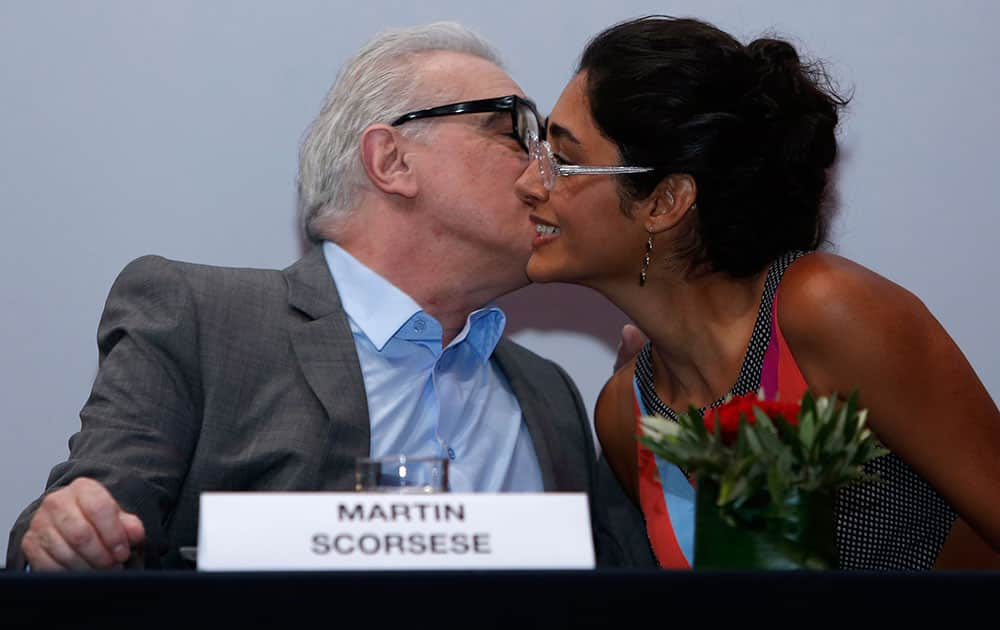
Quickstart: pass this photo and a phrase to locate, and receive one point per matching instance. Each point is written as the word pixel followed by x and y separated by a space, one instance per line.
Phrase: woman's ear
pixel 384 157
pixel 670 202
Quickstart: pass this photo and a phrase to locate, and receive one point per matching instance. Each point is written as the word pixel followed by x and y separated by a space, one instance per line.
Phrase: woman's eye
pixel 560 159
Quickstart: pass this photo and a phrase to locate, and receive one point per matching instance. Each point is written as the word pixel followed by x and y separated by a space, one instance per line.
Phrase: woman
pixel 704 233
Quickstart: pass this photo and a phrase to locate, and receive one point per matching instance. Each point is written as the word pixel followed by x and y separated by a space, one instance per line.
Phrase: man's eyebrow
pixel 555 130
pixel 496 117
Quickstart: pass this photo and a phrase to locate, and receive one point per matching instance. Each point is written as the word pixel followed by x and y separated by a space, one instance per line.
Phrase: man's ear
pixel 384 156
pixel 673 198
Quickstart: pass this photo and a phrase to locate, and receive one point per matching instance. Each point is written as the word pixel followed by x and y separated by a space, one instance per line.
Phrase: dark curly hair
pixel 753 125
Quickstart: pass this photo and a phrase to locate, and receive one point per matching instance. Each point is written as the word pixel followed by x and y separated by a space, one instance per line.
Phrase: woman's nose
pixel 529 185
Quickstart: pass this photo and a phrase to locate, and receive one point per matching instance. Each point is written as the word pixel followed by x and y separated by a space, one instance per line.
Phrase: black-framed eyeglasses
pixel 524 116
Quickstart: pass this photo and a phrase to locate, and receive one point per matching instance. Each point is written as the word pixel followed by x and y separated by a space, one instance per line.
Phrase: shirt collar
pixel 375 305
pixel 483 330
pixel 381 310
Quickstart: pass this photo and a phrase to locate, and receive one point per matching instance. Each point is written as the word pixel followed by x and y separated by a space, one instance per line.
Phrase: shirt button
pixel 451 452
pixel 419 325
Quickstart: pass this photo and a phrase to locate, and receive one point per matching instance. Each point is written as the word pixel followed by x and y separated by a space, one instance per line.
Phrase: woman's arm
pixel 615 420
pixel 850 328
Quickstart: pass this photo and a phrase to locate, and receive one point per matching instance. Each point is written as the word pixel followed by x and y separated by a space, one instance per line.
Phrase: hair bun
pixel 797 102
pixel 774 53
pixel 780 75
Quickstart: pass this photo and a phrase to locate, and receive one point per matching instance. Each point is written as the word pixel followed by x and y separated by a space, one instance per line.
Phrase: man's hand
pixel 81 526
pixel 631 343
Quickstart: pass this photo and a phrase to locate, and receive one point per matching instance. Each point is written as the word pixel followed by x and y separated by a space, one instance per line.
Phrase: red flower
pixel 730 413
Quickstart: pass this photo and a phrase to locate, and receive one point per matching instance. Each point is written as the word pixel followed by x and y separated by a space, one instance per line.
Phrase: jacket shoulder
pixel 153 267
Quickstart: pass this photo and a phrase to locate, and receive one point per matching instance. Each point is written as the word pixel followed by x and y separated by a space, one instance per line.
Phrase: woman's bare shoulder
pixel 824 296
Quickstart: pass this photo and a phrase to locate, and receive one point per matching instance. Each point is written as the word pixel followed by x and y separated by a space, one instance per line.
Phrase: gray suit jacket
pixel 227 379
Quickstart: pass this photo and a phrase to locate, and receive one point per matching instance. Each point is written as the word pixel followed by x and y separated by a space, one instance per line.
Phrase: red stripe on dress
pixel 659 529
pixel 791 383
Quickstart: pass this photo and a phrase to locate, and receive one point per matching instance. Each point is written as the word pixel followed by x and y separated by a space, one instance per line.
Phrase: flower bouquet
pixel 766 475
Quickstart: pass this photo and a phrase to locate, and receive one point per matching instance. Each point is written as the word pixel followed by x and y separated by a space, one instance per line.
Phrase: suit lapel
pixel 324 347
pixel 538 415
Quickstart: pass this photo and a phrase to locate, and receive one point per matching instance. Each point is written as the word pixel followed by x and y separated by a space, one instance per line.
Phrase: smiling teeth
pixel 545 229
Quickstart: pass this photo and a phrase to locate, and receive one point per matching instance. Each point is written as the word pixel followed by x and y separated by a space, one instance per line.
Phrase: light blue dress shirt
pixel 432 401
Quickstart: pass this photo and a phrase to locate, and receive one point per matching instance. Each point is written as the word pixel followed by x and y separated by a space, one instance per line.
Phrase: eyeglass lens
pixel 541 153
pixel 527 124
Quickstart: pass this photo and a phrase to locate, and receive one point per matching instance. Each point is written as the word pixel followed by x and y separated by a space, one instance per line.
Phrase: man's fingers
pixel 46 549
pixel 56 530
pixel 79 527
pixel 74 529
pixel 110 545
pixel 629 345
pixel 632 338
pixel 62 551
pixel 134 529
pixel 35 553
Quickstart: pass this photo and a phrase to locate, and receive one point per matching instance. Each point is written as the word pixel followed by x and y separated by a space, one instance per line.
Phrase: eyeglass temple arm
pixel 575 169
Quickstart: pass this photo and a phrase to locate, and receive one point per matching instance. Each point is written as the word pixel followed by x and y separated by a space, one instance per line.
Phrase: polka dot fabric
pixel 896 524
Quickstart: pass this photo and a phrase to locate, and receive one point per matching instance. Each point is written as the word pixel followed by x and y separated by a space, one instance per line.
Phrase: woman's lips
pixel 544 232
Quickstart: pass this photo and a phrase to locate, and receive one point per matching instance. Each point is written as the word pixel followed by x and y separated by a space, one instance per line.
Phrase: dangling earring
pixel 645 259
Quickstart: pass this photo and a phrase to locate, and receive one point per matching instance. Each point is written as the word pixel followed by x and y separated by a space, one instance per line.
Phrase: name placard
pixel 328 531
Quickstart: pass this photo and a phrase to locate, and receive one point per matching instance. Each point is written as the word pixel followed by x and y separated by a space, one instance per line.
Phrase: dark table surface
pixel 490 599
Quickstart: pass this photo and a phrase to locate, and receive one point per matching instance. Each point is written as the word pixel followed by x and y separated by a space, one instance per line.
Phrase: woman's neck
pixel 699 329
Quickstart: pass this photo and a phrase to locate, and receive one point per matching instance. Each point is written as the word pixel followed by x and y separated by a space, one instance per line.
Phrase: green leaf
pixel 807 430
pixel 749 435
pixel 776 482
pixel 693 420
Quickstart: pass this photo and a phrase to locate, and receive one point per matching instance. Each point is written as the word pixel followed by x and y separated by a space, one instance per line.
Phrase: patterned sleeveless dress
pixel 897 524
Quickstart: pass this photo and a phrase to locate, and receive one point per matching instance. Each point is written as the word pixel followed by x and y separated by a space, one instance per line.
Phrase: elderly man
pixel 382 339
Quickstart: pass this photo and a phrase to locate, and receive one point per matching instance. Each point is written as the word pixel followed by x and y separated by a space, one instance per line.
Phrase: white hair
pixel 378 85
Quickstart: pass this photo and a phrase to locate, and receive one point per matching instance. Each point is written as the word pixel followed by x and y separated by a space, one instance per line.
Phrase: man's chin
pixel 514 284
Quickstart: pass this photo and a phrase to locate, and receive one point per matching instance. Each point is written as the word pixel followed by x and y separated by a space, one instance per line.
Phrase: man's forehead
pixel 466 77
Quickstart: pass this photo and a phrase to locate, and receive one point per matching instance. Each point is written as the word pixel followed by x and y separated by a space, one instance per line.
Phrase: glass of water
pixel 401 474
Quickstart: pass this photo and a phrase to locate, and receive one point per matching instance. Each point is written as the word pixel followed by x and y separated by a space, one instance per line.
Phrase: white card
pixel 328 531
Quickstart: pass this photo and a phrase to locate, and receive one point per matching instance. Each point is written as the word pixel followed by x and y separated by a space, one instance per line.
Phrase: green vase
pixel 802 539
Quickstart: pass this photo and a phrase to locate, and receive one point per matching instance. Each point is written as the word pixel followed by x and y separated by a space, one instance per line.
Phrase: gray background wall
pixel 130 127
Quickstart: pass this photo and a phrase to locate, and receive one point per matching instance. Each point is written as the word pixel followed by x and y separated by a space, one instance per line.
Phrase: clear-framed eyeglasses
pixel 551 168
pixel 524 118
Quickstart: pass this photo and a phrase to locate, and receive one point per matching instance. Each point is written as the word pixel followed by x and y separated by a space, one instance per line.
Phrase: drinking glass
pixel 401 474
